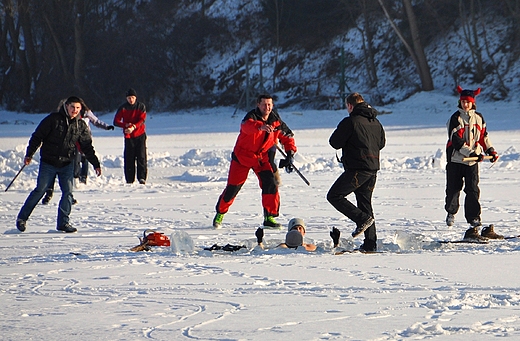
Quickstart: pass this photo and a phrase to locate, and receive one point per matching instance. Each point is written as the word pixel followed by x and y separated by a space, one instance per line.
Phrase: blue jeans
pixel 46 175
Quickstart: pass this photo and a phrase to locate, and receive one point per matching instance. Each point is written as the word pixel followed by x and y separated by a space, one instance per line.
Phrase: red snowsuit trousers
pixel 238 174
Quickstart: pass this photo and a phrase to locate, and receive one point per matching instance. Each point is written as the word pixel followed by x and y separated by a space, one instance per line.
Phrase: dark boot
pixel 67 228
pixel 473 235
pixel 363 227
pixel 450 219
pixel 489 232
pixel 48 196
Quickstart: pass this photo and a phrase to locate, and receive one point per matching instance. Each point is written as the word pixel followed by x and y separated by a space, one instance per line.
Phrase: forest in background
pixel 200 53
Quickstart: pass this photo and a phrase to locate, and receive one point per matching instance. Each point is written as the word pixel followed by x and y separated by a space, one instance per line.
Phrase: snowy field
pixel 89 286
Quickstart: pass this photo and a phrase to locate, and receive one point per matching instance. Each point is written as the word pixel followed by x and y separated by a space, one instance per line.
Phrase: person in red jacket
pixel 259 131
pixel 131 116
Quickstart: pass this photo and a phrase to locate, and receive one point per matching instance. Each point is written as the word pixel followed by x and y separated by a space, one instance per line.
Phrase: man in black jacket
pixel 360 137
pixel 57 135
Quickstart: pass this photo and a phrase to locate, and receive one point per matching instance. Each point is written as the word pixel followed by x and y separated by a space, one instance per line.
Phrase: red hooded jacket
pixel 252 143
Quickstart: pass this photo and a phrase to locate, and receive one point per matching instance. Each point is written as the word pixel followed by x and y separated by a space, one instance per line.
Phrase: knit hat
pixel 131 92
pixel 293 238
pixel 468 95
pixel 295 222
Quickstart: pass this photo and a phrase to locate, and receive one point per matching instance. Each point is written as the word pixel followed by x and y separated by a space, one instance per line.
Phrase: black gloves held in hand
pixel 259 235
pixel 334 234
pixel 287 162
pixel 493 153
pixel 110 128
pixel 479 157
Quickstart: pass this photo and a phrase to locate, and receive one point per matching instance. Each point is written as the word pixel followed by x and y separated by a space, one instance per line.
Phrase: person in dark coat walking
pixel 360 137
pixel 57 134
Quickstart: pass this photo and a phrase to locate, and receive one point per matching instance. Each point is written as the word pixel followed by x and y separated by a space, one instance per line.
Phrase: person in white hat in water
pixel 294 237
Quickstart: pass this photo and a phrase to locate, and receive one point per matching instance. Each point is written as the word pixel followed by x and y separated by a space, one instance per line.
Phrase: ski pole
pixel 21 169
pixel 292 164
pixel 475 158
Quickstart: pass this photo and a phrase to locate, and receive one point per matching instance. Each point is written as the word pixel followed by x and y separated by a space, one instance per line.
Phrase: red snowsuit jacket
pixel 252 144
pixel 128 114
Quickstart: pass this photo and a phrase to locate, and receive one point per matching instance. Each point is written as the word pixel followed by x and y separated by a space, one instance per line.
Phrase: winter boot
pixel 489 232
pixel 269 222
pixel 450 219
pixel 217 221
pixel 368 247
pixel 21 224
pixel 363 227
pixel 67 228
pixel 473 235
pixel 48 197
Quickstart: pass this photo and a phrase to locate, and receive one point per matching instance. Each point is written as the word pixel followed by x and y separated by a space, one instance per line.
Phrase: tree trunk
pixel 368 46
pixel 79 55
pixel 60 52
pixel 420 62
pixel 30 50
pixel 423 67
pixel 470 30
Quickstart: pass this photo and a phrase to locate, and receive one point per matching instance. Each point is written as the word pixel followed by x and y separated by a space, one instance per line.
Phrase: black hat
pixel 131 92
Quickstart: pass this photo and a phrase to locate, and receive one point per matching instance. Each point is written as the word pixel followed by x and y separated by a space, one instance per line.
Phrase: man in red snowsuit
pixel 259 131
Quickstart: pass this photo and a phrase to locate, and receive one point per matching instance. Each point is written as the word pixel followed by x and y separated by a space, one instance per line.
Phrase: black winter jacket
pixel 57 135
pixel 360 136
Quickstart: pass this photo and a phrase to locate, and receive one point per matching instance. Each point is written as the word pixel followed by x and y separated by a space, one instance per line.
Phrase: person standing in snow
pixel 57 134
pixel 467 138
pixel 259 131
pixel 360 137
pixel 80 162
pixel 131 116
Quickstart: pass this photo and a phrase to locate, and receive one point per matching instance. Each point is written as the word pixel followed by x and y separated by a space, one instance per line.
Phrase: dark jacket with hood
pixel 57 135
pixel 360 136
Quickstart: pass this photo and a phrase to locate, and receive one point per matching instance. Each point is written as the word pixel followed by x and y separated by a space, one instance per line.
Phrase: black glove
pixel 334 234
pixel 493 153
pixel 287 162
pixel 259 235
pixel 479 157
pixel 110 128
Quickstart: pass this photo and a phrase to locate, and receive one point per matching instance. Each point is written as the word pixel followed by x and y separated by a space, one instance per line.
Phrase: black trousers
pixel 458 175
pixel 135 152
pixel 362 184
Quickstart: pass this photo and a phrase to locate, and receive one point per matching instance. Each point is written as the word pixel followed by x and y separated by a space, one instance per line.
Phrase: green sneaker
pixel 269 222
pixel 217 221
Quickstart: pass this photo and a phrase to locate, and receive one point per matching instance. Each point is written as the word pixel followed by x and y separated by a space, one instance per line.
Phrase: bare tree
pixel 469 18
pixel 415 50
pixel 367 31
